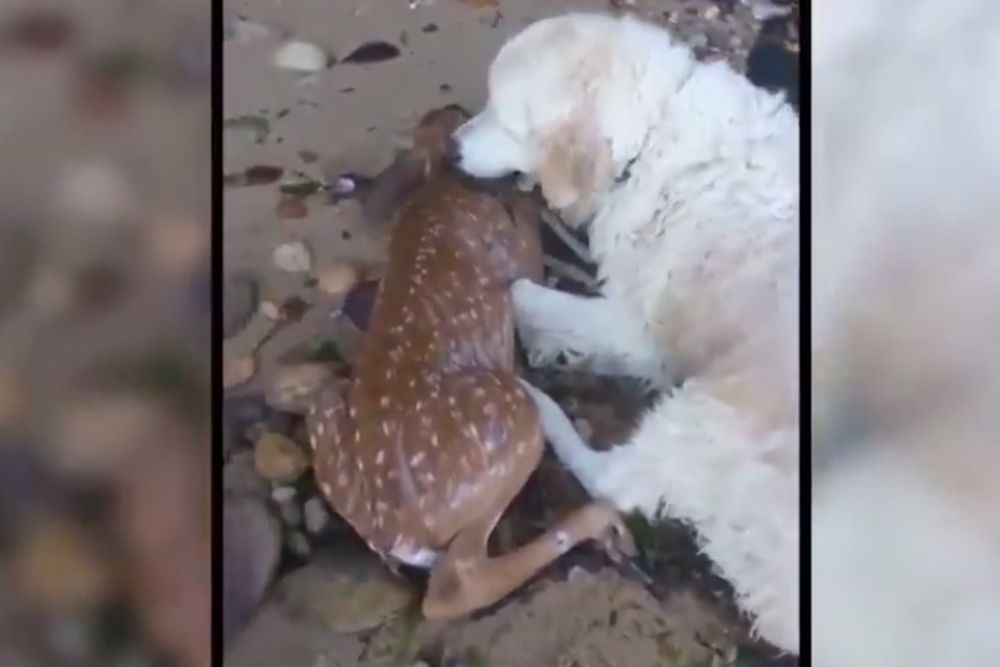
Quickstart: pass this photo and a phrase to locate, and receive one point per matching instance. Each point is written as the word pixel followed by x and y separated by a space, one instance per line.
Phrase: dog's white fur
pixel 689 176
pixel 906 378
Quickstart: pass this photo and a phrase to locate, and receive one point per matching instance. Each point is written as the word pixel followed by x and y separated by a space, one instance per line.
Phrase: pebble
pixel 237 370
pixel 583 428
pixel 359 302
pixel 251 551
pixel 177 244
pixel 59 567
pixel 316 515
pixel 344 590
pixel 97 433
pixel 95 192
pixel 270 310
pixel 291 513
pixel 338 279
pixel 240 478
pixel 763 10
pixel 50 291
pixel 699 40
pixel 292 386
pixel 18 264
pixel 283 494
pixel 12 399
pixel 293 257
pixel 298 544
pixel 279 459
pixel 241 414
pixel 239 302
pixel 301 57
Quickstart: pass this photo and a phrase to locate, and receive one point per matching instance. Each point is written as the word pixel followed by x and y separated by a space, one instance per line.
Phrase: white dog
pixel 689 178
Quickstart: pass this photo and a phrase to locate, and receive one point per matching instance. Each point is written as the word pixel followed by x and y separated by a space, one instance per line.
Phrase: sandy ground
pixel 582 612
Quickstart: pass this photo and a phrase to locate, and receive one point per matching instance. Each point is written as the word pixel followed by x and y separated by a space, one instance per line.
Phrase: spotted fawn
pixel 433 437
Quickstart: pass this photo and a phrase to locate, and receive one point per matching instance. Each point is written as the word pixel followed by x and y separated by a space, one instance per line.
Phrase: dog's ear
pixel 575 163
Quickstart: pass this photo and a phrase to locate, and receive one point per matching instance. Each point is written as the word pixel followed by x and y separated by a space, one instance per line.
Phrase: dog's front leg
pixel 596 333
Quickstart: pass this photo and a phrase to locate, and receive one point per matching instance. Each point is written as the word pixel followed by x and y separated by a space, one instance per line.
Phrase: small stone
pixel 291 513
pixel 583 428
pixel 372 52
pixel 279 459
pixel 699 40
pixel 243 414
pixel 270 310
pixel 177 245
pixel 316 515
pixel 301 57
pixel 298 544
pixel 98 433
pixel 292 387
pixel 359 302
pixel 343 185
pixel 59 567
pixel 50 291
pixel 96 192
pixel 293 257
pixel 239 302
pixel 344 590
pixel 711 12
pixel 762 10
pixel 38 29
pixel 12 399
pixel 283 494
pixel 251 547
pixel 338 279
pixel 237 370
pixel 240 477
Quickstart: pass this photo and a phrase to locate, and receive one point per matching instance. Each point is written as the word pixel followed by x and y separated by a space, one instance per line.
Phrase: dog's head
pixel 568 106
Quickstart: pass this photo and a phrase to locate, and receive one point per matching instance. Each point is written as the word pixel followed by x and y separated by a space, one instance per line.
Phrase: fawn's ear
pixel 409 171
pixel 526 211
pixel 575 164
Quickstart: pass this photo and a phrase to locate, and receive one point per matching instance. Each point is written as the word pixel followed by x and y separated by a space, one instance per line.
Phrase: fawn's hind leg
pixel 466 578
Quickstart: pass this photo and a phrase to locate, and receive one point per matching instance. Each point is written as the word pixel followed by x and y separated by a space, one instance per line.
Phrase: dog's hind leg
pixel 598 334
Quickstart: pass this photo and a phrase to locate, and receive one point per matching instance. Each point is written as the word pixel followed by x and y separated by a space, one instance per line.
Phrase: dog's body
pixel 689 175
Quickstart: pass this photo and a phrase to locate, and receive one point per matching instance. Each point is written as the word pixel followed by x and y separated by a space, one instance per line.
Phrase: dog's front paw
pixel 547 340
pixel 549 349
pixel 545 356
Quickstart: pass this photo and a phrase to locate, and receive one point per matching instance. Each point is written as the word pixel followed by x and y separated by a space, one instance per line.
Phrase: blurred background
pixel 105 188
pixel 905 322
